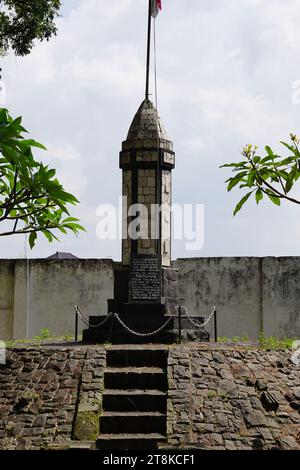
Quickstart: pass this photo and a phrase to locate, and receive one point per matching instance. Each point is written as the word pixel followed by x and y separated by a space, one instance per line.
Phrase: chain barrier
pixel 199 325
pixel 86 321
pixel 136 333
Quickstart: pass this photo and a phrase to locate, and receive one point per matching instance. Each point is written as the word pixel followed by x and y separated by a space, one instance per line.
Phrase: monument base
pixel 135 331
pixel 141 322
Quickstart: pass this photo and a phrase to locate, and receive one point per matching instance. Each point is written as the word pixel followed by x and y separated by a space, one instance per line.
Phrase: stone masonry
pixel 42 391
pixel 233 399
pixel 219 397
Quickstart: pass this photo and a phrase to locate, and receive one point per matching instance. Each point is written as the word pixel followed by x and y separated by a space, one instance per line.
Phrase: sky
pixel 226 71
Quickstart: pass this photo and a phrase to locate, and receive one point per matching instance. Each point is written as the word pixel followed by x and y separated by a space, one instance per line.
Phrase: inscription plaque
pixel 145 278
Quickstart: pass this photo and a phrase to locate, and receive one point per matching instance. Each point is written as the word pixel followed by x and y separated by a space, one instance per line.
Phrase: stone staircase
pixel 134 398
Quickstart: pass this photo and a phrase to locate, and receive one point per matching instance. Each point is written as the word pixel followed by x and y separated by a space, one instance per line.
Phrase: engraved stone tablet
pixel 145 279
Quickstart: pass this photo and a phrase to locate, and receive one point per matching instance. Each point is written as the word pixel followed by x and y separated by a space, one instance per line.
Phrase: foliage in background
pixel 31 198
pixel 272 176
pixel 23 21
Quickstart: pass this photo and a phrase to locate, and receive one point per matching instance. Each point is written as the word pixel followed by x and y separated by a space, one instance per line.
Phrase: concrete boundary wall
pixel 6 298
pixel 252 295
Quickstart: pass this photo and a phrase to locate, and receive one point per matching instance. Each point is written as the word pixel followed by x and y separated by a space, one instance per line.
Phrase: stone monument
pixel 146 296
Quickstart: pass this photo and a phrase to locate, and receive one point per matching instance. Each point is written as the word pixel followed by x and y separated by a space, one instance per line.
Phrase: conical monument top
pixel 146 129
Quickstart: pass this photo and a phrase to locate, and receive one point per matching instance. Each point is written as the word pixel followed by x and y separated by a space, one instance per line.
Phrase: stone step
pixel 129 441
pixel 136 370
pixel 136 357
pixel 132 422
pixel 134 400
pixel 71 445
pixel 134 392
pixel 135 377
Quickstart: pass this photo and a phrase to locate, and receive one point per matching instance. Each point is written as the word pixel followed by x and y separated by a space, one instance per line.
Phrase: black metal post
pixel 179 325
pixel 76 325
pixel 148 51
pixel 215 323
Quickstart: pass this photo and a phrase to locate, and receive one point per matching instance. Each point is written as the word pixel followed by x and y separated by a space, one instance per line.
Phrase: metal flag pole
pixel 148 50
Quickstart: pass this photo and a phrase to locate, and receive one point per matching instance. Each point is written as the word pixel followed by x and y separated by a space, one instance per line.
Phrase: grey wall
pixel 251 294
pixel 233 285
pixel 55 286
pixel 6 298
pixel 281 296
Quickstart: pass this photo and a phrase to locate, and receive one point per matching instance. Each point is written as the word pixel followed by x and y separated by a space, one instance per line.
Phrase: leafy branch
pixel 23 22
pixel 31 198
pixel 273 176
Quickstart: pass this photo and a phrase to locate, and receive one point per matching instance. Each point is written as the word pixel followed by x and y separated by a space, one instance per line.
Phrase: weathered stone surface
pixel 87 426
pixel 44 388
pixel 261 385
pixel 226 386
pixel 211 403
pixel 288 443
pixel 255 418
pixel 235 399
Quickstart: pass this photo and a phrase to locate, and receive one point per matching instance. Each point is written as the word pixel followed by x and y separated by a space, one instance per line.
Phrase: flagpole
pixel 148 52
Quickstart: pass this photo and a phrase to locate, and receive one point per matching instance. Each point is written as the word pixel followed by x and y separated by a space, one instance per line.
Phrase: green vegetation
pixel 234 339
pixel 87 425
pixel 44 337
pixel 44 334
pixel 272 175
pixel 31 198
pixel 213 393
pixel 263 341
pixel 274 343
pixel 13 343
pixel 68 337
pixel 23 22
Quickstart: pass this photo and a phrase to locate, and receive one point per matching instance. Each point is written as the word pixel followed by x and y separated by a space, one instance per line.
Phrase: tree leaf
pixel 235 180
pixel 290 147
pixel 241 203
pixel 275 199
pixel 259 195
pixel 34 143
pixel 269 151
pixel 32 239
pixel 251 178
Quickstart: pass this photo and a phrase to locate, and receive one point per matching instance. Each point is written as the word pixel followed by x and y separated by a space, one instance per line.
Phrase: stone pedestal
pixel 144 316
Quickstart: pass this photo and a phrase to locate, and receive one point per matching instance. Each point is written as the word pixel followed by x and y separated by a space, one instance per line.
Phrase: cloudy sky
pixel 225 74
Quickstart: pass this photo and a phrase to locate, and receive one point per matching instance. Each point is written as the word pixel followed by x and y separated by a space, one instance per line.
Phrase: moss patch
pixel 87 425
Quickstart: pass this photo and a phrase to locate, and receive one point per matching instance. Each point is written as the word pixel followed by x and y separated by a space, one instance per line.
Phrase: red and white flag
pixel 156 6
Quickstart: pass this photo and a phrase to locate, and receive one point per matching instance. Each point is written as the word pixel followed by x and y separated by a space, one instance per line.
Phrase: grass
pixel 234 339
pixel 44 337
pixel 265 342
pixel 271 342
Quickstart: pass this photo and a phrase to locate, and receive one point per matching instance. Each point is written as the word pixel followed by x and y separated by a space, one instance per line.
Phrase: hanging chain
pixel 86 321
pixel 199 325
pixel 136 333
